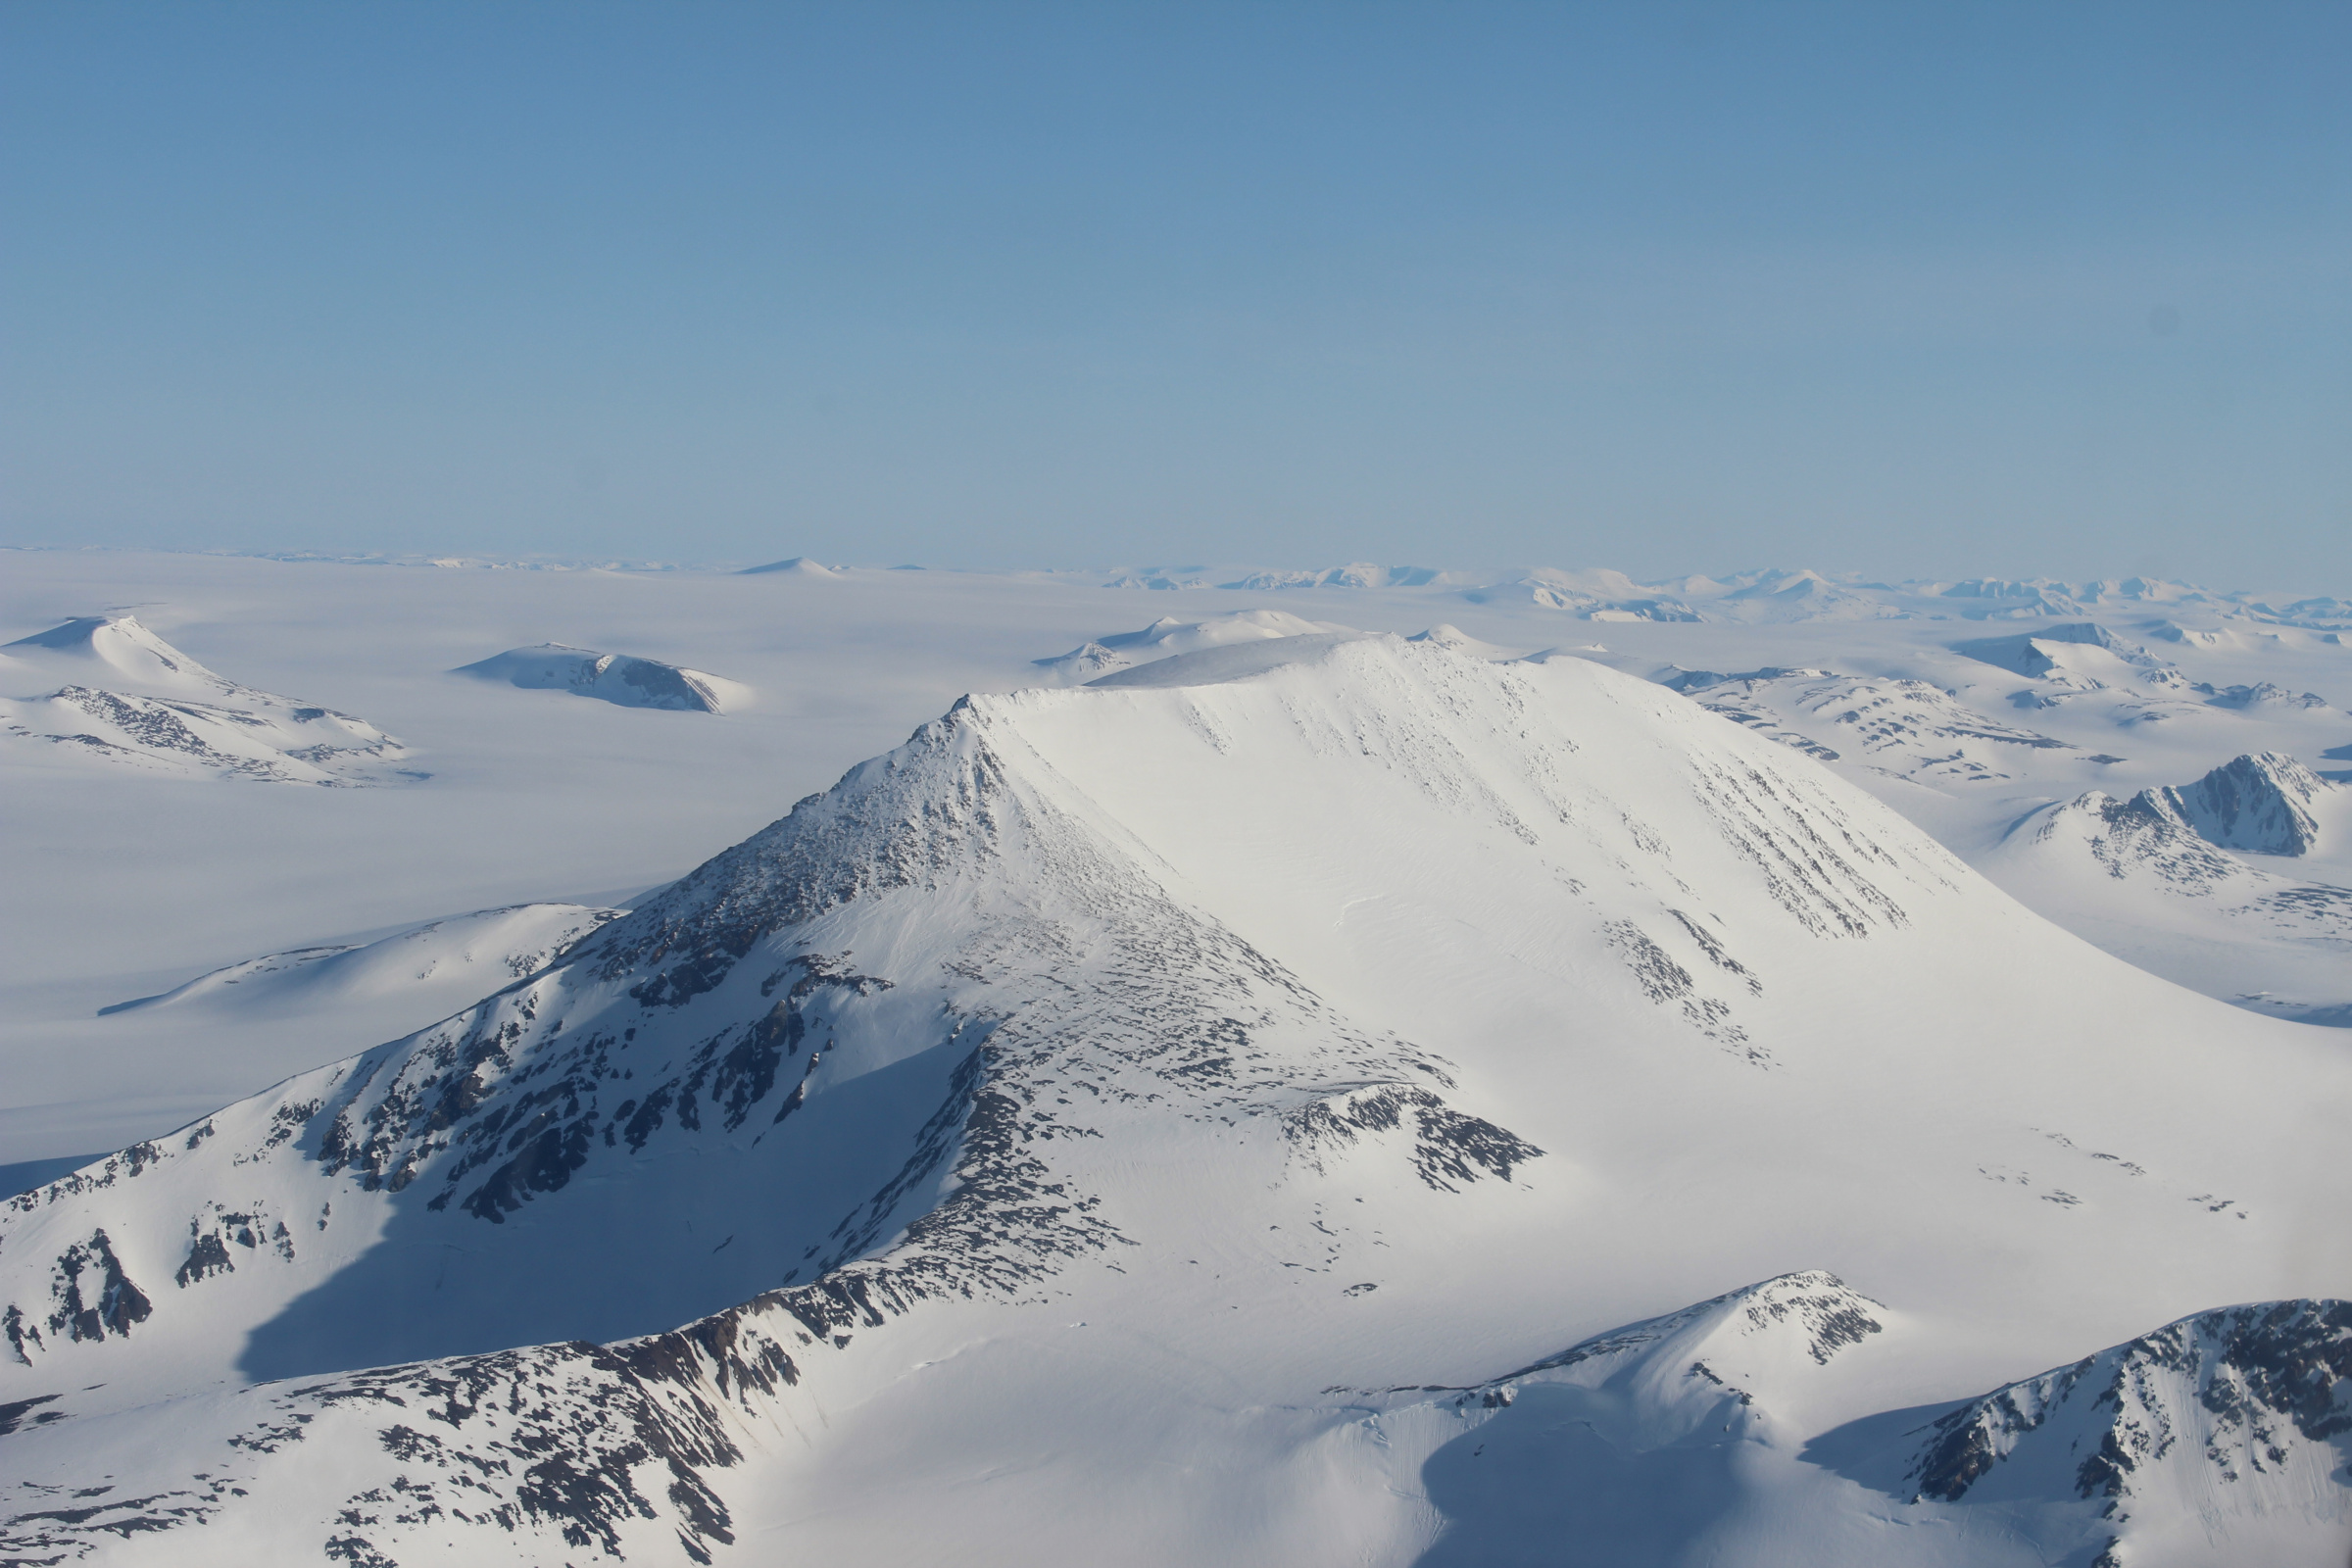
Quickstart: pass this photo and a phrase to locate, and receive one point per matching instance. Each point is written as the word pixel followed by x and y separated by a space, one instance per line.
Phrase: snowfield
pixel 1256 1089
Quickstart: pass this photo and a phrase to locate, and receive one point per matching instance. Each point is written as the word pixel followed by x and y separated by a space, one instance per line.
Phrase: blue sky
pixel 1930 289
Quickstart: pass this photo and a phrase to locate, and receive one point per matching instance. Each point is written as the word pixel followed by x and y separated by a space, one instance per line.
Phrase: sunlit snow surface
pixel 1275 1105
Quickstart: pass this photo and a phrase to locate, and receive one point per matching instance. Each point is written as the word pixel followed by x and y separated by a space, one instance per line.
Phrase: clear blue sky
pixel 1928 289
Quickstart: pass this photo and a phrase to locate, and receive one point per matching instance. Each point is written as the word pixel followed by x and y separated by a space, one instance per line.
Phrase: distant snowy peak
pixel 617 678
pixel 797 567
pixel 2000 598
pixel 118 650
pixel 1599 595
pixel 1159 579
pixel 2317 614
pixel 1461 642
pixel 129 699
pixel 1777 596
pixel 1356 574
pixel 2150 871
pixel 2142 838
pixel 2263 802
pixel 2042 652
pixel 1789 596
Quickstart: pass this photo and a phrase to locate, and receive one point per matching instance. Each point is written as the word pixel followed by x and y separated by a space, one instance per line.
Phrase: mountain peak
pixel 2261 802
pixel 124 650
pixel 798 567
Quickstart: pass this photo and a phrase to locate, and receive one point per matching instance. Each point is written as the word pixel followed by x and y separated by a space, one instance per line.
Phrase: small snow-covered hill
pixel 1037 1143
pixel 2219 1438
pixel 797 566
pixel 126 697
pixel 614 678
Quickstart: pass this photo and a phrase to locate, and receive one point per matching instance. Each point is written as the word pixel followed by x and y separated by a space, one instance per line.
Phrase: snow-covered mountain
pixel 1068 1137
pixel 2263 803
pixel 610 678
pixel 2149 877
pixel 797 566
pixel 2217 1439
pixel 126 697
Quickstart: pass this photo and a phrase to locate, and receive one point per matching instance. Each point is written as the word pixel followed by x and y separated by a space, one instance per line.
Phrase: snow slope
pixel 1047 1133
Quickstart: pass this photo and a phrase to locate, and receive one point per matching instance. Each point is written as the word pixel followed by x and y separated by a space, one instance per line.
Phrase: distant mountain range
pixel 1774 595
